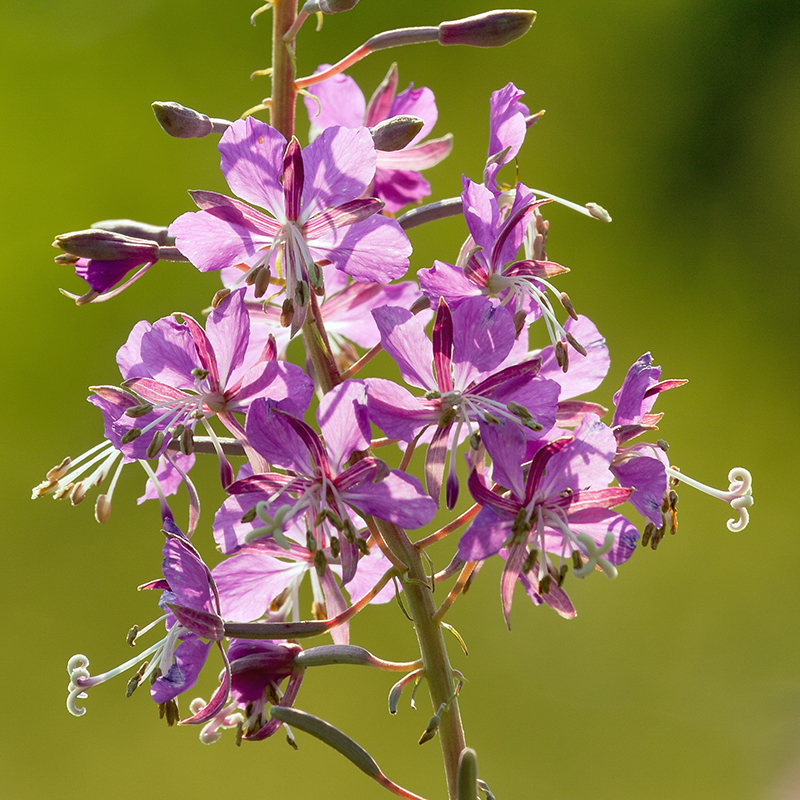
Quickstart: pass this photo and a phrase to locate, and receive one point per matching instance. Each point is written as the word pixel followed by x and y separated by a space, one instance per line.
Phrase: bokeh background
pixel 679 680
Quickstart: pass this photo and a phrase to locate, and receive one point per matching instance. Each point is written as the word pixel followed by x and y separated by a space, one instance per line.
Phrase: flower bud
pixel 101 245
pixel 328 6
pixel 490 29
pixel 181 122
pixel 396 132
pixel 136 230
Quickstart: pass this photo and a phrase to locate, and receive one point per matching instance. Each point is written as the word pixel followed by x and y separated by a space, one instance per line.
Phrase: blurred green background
pixel 679 680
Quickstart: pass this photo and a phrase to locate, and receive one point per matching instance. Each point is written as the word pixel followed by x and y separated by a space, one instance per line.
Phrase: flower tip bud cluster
pixel 181 122
pixel 328 6
pixel 395 133
pixel 490 29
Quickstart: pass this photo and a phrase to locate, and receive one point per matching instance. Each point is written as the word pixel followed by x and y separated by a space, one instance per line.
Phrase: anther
pixel 132 634
pixel 301 294
pixel 187 442
pixel 133 683
pixel 544 584
pixel 131 435
pixel 562 359
pixel 102 508
pixel 576 344
pixel 262 282
pixel 648 531
pixel 663 445
pixel 249 515
pixel 335 547
pixel 199 372
pixel 562 573
pixel 139 411
pixel 287 313
pixel 362 545
pixel 219 297
pixel 154 448
pixel 320 562
pixel 568 307
pixel 577 560
pixel 58 472
pixel 530 561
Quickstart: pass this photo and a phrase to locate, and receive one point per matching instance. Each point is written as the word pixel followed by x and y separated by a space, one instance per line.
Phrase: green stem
pixel 438 672
pixel 284 93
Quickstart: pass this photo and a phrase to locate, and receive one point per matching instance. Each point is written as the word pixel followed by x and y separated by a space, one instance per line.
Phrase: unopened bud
pixel 396 132
pixel 467 776
pixel 136 230
pixel 490 29
pixel 430 731
pixel 101 245
pixel 421 303
pixel 181 122
pixel 328 6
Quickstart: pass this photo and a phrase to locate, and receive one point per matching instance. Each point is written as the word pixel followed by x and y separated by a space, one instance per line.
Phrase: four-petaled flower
pixel 317 213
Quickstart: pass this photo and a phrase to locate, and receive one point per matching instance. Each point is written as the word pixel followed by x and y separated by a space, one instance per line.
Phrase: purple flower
pixel 473 385
pixel 397 181
pixel 489 266
pixel 318 486
pixel 642 466
pixel 258 668
pixel 190 601
pixel 507 129
pixel 316 212
pixel 186 374
pixel 562 507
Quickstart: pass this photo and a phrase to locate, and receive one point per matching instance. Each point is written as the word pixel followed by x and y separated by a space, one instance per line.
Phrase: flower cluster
pixel 310 248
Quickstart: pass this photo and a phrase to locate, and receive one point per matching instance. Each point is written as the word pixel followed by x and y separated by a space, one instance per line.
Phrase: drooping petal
pixel 481 214
pixel 190 656
pixel 419 156
pixel 399 187
pixel 396 411
pixel 648 478
pixel 630 399
pixel 445 280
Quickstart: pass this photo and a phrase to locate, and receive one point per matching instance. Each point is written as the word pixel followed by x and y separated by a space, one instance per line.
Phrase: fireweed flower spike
pixel 397 181
pixel 317 214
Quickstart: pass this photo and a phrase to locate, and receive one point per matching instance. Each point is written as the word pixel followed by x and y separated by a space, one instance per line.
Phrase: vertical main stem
pixel 284 94
pixel 438 672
